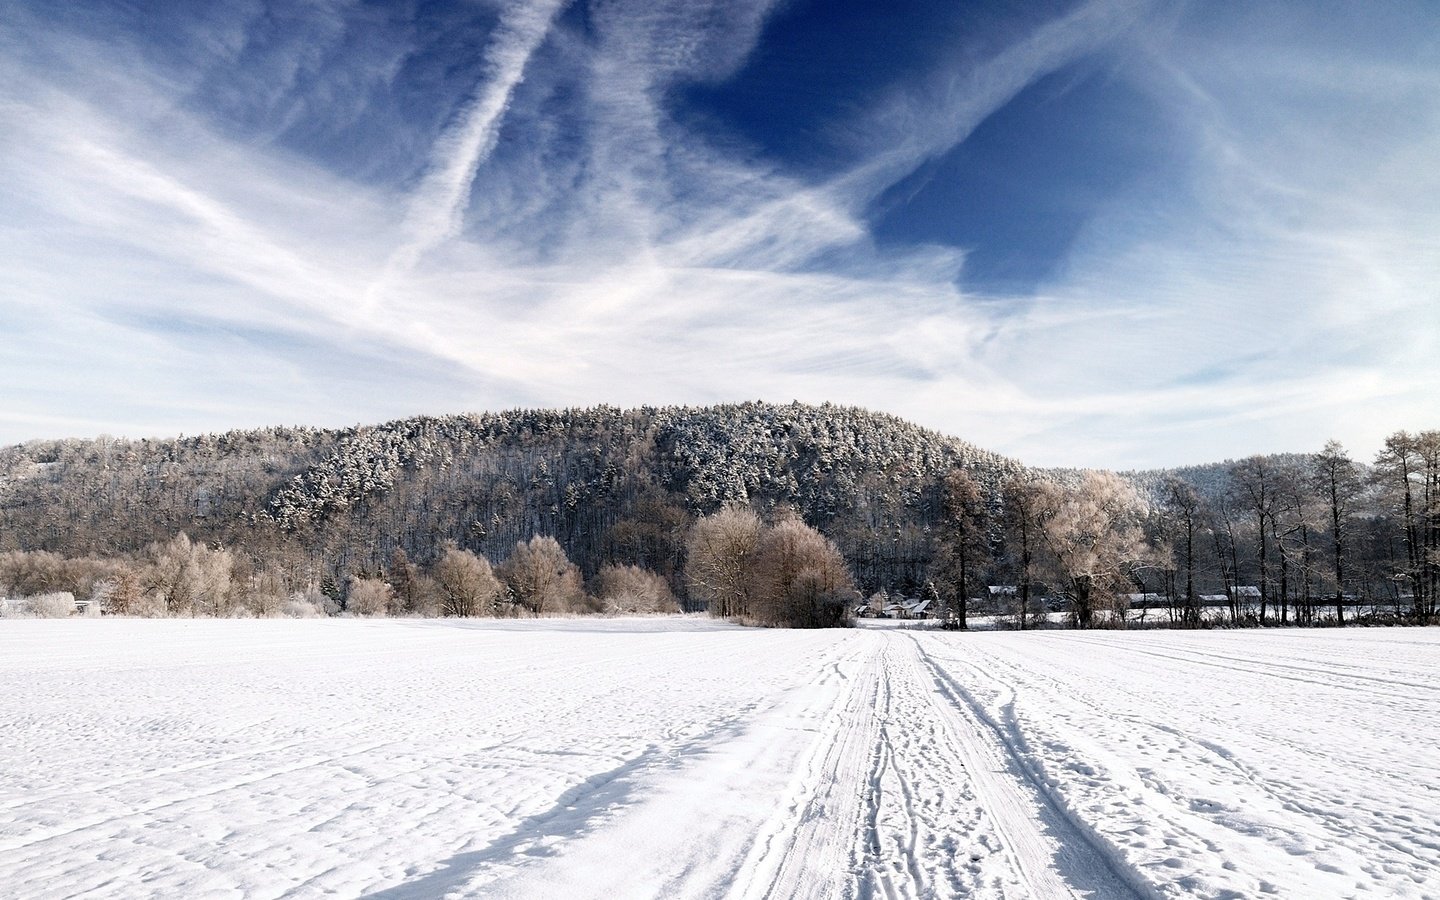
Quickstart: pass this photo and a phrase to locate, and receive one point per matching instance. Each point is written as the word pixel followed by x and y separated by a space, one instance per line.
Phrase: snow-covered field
pixel 682 758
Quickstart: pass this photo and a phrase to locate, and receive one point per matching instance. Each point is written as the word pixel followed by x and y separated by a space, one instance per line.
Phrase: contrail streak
pixel 437 206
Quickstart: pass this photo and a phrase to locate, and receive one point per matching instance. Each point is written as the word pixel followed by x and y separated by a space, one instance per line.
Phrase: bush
pixel 117 594
pixel 150 606
pixel 631 589
pixel 304 606
pixel 369 597
pixel 54 605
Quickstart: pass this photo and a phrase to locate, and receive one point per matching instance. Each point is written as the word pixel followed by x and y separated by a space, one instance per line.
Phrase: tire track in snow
pixel 1259 666
pixel 905 795
pixel 1177 800
pixel 1043 835
pixel 869 869
pixel 927 832
pixel 603 810
pixel 807 849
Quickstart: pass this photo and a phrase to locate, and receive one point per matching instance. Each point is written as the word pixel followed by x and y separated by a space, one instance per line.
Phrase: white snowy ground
pixel 681 758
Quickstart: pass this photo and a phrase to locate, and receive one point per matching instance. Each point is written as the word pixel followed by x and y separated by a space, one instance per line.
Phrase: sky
pixel 1108 233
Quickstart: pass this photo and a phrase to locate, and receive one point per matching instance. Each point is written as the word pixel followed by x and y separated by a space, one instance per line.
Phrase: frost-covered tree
pixel 541 578
pixel 369 597
pixel 467 583
pixel 800 577
pixel 1093 538
pixel 189 578
pixel 721 559
pixel 631 589
pixel 119 594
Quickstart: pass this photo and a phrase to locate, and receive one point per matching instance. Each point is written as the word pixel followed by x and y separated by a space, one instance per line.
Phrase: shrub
pixel 54 605
pixel 631 589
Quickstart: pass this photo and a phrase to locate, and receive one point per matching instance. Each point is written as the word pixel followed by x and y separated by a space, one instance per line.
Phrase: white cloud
pixel 435 208
pixel 174 277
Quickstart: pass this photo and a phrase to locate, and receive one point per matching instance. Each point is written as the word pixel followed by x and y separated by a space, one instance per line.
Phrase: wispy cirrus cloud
pixel 437 203
pixel 510 204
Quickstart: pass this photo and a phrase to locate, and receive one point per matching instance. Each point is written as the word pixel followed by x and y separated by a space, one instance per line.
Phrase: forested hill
pixel 612 485
pixel 1213 480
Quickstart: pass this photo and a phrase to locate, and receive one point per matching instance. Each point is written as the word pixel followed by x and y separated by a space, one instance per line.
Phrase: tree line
pixel 365 519
pixel 1299 539
pixel 613 487
pixel 181 577
pixel 778 573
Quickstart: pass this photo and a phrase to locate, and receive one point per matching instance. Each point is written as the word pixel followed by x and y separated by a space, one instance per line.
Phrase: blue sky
pixel 1106 233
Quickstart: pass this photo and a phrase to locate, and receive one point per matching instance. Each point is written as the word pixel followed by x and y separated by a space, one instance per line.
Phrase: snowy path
pixel 681 758
pixel 1232 765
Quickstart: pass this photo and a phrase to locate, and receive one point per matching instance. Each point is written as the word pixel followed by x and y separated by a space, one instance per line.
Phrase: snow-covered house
pixel 1243 594
pixel 910 608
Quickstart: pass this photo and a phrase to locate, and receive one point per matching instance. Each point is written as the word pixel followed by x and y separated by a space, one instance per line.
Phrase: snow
pixel 678 757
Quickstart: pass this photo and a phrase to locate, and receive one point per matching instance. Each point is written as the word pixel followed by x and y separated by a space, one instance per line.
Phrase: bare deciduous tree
pixel 1093 536
pixel 541 577
pixel 468 586
pixel 267 594
pixel 801 578
pixel 405 581
pixel 369 596
pixel 1182 506
pixel 1253 485
pixel 962 541
pixel 1023 513
pixel 1337 479
pixel 721 556
pixel 631 589
pixel 1408 471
